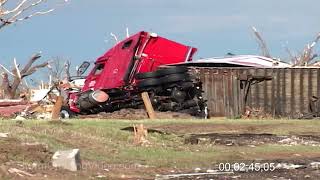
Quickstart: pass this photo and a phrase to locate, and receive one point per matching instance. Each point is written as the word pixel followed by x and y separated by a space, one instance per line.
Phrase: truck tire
pixel 175 78
pixel 163 71
pixel 171 70
pixel 149 82
pixel 147 75
pixel 66 113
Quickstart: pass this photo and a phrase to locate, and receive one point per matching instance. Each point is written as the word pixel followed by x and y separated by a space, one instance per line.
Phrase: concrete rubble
pixel 315 165
pixel 293 141
pixel 289 166
pixel 4 135
pixel 68 159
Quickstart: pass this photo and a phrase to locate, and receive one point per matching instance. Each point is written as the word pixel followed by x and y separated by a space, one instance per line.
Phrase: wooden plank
pixel 148 105
pixel 236 94
pixel 292 99
pixel 301 91
pixel 272 94
pixel 241 92
pixel 257 91
pixel 265 92
pixel 318 82
pixel 278 104
pixel 283 93
pixel 227 97
pixel 310 88
pixel 57 108
pixel 251 91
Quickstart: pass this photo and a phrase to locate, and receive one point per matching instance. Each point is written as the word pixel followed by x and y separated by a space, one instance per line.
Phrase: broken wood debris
pixel 172 176
pixel 148 105
pixel 19 172
pixel 140 135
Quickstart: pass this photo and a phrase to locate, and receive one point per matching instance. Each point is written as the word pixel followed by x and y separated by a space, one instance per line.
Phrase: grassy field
pixel 104 141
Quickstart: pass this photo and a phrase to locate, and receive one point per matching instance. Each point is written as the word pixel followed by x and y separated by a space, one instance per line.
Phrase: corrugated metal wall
pixel 287 94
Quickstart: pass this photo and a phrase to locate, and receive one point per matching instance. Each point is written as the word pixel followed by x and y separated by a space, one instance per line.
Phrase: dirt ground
pixel 138 114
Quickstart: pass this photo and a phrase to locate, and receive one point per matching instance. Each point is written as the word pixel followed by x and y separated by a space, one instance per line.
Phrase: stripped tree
pixel 11 84
pixel 262 43
pixel 59 69
pixel 11 12
pixel 305 58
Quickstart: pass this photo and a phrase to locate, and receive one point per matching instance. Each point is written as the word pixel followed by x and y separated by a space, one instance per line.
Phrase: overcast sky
pixel 79 30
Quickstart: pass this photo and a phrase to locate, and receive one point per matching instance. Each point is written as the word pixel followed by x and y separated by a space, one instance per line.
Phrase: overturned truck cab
pixel 142 63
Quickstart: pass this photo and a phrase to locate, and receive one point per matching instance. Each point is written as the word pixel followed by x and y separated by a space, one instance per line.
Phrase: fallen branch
pixel 19 172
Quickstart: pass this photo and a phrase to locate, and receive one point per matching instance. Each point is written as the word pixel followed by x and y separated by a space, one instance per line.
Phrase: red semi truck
pixel 140 63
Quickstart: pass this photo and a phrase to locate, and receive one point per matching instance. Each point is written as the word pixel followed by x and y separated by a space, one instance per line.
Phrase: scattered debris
pixel 20 172
pixel 211 171
pixel 68 159
pixel 4 135
pixel 140 135
pixel 197 169
pixel 9 108
pixel 172 176
pixel 20 118
pixel 289 166
pixel 258 113
pixel 294 140
pixel 150 130
pixel 315 165
pixel 251 140
pixel 148 105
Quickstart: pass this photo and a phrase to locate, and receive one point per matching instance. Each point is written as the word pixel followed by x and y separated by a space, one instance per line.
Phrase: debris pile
pixel 251 140
pixel 140 135
pixel 10 108
pixel 294 140
pixel 258 113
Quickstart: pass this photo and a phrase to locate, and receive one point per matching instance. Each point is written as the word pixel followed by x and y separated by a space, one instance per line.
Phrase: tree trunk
pixel 8 93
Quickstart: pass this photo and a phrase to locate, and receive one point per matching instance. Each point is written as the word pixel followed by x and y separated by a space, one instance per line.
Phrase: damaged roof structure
pixel 240 61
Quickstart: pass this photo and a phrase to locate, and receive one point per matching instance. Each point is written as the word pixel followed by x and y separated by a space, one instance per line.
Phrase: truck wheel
pixel 163 71
pixel 66 113
pixel 175 78
pixel 147 75
pixel 171 70
pixel 149 82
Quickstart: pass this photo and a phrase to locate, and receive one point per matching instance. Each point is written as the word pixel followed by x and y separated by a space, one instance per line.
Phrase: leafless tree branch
pixel 20 12
pixel 308 54
pixel 262 43
pixel 11 85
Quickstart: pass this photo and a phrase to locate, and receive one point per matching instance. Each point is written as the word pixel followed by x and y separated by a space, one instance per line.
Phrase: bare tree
pixel 307 55
pixel 11 13
pixel 11 85
pixel 59 69
pixel 262 43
